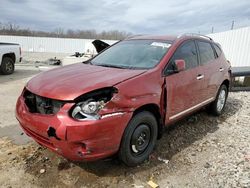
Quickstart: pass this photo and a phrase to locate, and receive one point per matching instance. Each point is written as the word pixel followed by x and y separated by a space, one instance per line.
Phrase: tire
pixel 7 66
pixel 216 108
pixel 139 139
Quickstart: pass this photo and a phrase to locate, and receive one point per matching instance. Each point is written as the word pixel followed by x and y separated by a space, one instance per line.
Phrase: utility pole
pixel 232 27
pixel 212 31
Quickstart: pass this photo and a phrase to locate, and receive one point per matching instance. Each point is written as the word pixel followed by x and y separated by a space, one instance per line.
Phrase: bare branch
pixel 13 29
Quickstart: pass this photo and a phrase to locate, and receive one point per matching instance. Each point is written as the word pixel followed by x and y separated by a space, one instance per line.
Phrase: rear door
pixel 208 69
pixel 183 87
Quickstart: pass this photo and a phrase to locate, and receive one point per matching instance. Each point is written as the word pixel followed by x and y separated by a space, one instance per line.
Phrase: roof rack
pixel 195 35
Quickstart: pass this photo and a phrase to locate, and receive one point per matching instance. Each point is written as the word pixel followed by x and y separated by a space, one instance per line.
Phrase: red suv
pixel 120 100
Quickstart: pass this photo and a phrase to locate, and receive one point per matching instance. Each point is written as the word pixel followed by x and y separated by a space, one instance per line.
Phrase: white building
pixel 236 45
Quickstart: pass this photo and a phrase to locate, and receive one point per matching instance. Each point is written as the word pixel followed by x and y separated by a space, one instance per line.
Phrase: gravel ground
pixel 200 151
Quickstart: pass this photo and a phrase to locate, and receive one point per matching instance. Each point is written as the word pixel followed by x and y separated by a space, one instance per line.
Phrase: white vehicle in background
pixel 91 51
pixel 9 55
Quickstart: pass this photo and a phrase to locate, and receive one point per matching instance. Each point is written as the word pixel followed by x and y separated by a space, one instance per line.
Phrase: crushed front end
pixel 69 129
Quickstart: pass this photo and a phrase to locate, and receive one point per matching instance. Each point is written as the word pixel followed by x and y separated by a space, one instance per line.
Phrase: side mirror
pixel 179 65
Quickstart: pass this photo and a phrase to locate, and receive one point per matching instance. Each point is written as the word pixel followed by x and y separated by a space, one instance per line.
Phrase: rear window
pixel 206 52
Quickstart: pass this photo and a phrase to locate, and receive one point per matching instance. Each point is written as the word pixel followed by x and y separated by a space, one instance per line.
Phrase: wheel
pixel 218 105
pixel 139 139
pixel 7 66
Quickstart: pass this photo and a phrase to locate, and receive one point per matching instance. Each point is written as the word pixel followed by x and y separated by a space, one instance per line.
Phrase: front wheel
pixel 218 105
pixel 139 139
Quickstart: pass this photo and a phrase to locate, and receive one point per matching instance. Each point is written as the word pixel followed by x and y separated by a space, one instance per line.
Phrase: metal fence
pixel 236 45
pixel 47 44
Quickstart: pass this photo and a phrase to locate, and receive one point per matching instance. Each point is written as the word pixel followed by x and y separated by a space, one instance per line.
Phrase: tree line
pixel 13 29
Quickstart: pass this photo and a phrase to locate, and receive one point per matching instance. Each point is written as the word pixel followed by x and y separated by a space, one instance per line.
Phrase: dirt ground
pixel 200 151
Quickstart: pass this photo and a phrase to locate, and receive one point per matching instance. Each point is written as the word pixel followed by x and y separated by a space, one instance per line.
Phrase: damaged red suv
pixel 119 101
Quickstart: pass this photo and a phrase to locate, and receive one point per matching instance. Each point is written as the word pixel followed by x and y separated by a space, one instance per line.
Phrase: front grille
pixel 41 105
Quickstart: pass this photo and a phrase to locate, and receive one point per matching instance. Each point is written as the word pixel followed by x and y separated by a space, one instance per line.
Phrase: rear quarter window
pixel 217 49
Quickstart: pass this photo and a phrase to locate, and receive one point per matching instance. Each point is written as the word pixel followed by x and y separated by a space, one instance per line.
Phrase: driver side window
pixel 187 51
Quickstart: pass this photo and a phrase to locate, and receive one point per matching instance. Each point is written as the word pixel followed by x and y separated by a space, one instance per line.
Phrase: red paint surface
pixel 91 140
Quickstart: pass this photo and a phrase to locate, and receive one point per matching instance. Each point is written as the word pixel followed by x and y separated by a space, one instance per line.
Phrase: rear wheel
pixel 138 139
pixel 7 66
pixel 218 105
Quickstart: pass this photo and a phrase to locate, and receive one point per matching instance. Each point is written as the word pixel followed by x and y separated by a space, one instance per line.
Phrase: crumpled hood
pixel 69 82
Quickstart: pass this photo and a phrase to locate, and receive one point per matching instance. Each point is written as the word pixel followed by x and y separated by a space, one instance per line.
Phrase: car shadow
pixel 175 139
pixel 20 73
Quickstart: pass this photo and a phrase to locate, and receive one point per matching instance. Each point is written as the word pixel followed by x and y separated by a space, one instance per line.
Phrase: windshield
pixel 133 54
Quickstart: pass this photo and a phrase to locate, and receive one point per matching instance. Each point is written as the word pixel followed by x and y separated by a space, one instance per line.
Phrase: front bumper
pixel 75 140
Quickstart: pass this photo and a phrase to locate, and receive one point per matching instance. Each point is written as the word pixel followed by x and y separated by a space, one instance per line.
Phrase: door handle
pixel 200 76
pixel 221 69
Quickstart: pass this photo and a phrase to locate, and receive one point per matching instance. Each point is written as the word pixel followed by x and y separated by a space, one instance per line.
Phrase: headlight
pixel 91 103
pixel 91 107
pixel 88 109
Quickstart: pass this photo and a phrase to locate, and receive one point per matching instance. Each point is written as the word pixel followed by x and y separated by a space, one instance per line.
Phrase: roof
pixel 169 37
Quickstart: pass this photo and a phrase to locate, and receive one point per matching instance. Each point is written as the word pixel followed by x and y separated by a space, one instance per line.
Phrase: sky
pixel 135 16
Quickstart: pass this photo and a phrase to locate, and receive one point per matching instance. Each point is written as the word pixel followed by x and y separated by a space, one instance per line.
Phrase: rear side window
pixel 187 52
pixel 217 49
pixel 206 52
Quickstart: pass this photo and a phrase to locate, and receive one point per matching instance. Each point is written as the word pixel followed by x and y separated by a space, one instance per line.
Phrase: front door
pixel 183 88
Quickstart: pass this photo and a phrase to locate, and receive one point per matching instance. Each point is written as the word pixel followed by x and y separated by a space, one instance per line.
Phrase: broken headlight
pixel 88 105
pixel 88 109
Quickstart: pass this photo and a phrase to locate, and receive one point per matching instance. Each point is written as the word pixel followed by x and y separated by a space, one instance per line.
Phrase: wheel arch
pixel 10 55
pixel 155 110
pixel 226 83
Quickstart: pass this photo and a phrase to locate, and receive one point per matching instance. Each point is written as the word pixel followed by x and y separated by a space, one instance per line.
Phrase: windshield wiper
pixel 112 66
pixel 87 62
